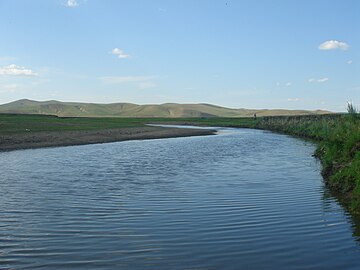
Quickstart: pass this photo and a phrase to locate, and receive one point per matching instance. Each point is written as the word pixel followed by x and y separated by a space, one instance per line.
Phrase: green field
pixel 18 123
pixel 170 110
pixel 14 123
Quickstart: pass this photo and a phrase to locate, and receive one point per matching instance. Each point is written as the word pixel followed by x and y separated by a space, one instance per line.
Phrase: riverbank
pixel 37 131
pixel 338 148
pixel 66 138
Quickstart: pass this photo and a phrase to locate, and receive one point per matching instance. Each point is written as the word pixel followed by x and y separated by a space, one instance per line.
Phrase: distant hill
pixel 73 109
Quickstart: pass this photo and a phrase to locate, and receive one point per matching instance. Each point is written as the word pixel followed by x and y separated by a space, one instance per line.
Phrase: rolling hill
pixel 73 109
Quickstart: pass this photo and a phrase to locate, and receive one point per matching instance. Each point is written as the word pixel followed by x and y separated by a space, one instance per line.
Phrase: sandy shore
pixel 66 138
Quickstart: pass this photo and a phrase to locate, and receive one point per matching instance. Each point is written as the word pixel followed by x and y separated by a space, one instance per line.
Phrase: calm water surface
pixel 244 199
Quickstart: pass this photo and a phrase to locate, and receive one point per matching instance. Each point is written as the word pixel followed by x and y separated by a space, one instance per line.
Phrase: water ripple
pixel 244 199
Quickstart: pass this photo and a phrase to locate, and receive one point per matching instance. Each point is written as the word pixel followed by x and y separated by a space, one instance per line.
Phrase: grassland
pixel 35 131
pixel 17 123
pixel 171 110
pixel 337 137
pixel 25 123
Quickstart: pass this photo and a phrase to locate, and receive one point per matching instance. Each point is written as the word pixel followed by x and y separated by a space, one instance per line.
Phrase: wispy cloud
pixel 349 62
pixel 333 45
pixel 8 88
pixel 321 80
pixel 120 53
pixel 71 3
pixel 162 9
pixel 287 84
pixel 14 70
pixel 293 99
pixel 7 59
pixel 125 79
pixel 142 82
pixel 146 85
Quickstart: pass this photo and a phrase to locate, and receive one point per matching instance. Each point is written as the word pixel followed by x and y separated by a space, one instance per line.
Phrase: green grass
pixel 18 123
pixel 244 122
pixel 13 123
pixel 338 140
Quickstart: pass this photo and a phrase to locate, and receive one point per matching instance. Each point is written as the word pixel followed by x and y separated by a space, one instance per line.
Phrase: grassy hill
pixel 73 109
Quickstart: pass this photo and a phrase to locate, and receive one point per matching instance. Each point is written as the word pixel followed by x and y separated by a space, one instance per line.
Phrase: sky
pixel 235 53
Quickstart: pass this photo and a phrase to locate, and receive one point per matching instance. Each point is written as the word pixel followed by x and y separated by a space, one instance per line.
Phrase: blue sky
pixel 242 54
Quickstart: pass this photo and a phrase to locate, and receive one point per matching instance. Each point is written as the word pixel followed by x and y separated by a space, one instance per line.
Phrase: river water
pixel 244 199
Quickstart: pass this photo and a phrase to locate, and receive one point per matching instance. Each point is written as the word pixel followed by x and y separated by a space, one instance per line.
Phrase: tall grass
pixel 352 111
pixel 338 138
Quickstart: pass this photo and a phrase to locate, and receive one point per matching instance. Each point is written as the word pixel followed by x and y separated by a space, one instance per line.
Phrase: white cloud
pixel 71 3
pixel 321 80
pixel 349 62
pixel 14 70
pixel 333 45
pixel 120 53
pixel 277 84
pixel 293 99
pixel 288 84
pixel 146 85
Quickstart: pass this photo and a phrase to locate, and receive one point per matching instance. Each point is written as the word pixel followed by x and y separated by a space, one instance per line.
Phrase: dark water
pixel 244 199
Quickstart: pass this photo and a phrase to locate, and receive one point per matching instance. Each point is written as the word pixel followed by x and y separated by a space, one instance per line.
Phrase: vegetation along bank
pixel 338 148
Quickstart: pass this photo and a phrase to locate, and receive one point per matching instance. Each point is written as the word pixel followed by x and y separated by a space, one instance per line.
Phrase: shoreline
pixel 34 140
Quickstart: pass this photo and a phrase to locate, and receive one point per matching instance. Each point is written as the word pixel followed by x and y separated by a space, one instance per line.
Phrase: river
pixel 243 199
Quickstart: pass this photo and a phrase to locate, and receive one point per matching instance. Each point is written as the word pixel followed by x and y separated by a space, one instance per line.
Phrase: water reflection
pixel 243 199
pixel 334 202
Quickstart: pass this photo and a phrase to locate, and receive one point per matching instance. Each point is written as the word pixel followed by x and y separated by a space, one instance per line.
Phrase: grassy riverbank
pixel 338 138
